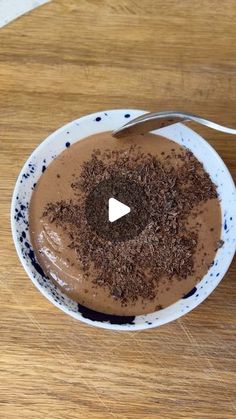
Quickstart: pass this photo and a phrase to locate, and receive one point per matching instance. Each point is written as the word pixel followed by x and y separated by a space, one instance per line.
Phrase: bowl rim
pixel 45 293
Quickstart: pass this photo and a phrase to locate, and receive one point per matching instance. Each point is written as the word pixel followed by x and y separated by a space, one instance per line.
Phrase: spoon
pixel 155 120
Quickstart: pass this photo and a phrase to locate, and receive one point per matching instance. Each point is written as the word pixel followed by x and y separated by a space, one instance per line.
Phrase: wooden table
pixel 66 59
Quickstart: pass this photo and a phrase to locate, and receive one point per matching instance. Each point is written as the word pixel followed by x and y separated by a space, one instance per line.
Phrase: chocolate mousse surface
pixel 147 259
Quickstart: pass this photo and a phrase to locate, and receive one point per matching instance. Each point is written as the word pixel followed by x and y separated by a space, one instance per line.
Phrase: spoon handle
pixel 155 120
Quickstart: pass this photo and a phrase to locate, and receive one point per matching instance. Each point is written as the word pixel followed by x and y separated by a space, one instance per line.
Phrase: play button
pixel 117 209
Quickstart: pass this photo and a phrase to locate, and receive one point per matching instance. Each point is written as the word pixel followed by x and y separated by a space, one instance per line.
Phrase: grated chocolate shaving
pixel 165 247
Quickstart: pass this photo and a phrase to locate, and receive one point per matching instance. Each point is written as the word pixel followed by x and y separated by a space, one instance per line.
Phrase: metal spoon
pixel 155 120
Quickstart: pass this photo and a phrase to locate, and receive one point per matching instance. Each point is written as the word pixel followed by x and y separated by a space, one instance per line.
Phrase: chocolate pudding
pixel 145 260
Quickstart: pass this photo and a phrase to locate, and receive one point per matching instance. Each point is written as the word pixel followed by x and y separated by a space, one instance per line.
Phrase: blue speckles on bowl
pixel 190 293
pixel 87 313
pixel 225 225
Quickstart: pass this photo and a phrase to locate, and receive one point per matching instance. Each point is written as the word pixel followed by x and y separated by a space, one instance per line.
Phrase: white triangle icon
pixel 116 209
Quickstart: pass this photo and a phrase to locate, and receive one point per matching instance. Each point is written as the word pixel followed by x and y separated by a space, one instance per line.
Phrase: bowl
pixel 105 121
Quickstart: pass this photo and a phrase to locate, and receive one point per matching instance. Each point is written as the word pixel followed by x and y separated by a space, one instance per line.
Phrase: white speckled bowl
pixel 104 121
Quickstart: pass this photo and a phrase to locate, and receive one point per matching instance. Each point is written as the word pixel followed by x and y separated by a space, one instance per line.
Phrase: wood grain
pixel 64 60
